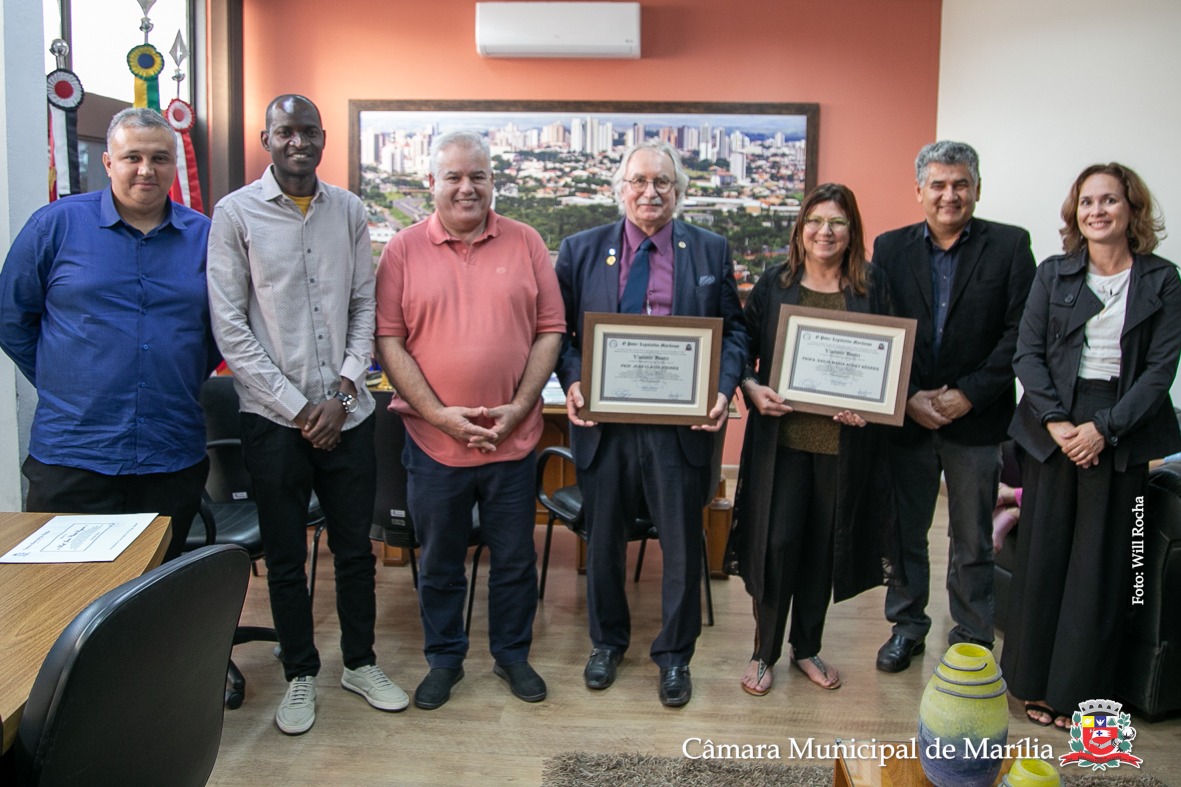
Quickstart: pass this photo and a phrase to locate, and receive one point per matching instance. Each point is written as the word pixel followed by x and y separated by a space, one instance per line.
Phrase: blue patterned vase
pixel 963 719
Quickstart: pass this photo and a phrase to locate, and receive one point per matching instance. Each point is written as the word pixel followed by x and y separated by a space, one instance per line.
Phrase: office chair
pixel 131 692
pixel 228 485
pixel 565 504
pixel 228 514
pixel 392 523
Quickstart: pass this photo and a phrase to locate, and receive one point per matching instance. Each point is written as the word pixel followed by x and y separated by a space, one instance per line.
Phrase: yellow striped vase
pixel 963 717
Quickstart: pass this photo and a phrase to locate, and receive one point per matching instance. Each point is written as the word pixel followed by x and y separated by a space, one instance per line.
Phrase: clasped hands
pixel 939 407
pixel 461 424
pixel 1082 444
pixel 320 424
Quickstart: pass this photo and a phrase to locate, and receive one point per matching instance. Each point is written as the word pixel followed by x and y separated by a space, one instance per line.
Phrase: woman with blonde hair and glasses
pixel 811 489
pixel 1096 354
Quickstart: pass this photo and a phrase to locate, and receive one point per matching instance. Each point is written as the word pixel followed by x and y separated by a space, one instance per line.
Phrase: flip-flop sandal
pixel 1037 707
pixel 764 669
pixel 820 665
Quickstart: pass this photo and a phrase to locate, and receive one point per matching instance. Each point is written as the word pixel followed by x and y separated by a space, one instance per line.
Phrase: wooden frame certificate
pixel 651 370
pixel 827 361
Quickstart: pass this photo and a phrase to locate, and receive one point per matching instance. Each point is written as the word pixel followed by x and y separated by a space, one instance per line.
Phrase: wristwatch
pixel 347 400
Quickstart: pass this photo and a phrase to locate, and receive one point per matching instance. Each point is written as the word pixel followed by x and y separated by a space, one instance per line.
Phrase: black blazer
pixel 993 274
pixel 1141 425
pixel 865 536
pixel 703 284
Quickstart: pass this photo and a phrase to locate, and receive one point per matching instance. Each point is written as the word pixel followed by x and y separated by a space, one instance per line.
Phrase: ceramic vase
pixel 1031 773
pixel 963 719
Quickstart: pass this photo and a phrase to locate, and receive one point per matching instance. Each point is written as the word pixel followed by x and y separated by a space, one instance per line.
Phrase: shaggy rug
pixel 579 769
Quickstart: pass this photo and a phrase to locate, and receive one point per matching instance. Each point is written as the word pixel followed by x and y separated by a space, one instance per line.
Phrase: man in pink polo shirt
pixel 469 324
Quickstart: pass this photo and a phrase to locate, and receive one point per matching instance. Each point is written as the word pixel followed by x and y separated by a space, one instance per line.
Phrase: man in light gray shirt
pixel 291 293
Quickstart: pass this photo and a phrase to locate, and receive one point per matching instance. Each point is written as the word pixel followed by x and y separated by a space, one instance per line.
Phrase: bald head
pixel 288 103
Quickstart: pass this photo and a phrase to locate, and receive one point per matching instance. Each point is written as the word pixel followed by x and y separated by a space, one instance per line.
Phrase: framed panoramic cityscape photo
pixel 749 165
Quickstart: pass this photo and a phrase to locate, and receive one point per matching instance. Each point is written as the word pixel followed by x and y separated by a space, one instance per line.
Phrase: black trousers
pixel 285 468
pixel 635 464
pixel 1072 580
pixel 799 555
pixel 71 490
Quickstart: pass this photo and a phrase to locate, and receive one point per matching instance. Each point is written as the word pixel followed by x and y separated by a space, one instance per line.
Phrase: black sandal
pixel 1037 707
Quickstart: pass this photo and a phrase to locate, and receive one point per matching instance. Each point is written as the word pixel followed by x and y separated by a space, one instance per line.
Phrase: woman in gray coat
pixel 1096 354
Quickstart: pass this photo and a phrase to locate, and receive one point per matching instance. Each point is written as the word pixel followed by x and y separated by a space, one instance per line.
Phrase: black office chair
pixel 131 692
pixel 565 505
pixel 228 488
pixel 392 523
pixel 228 514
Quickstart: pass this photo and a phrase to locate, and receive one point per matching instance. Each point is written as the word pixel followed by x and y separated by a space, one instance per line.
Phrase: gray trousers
pixel 972 474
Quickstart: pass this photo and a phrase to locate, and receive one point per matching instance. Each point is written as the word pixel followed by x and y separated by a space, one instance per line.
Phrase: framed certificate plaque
pixel 827 361
pixel 652 370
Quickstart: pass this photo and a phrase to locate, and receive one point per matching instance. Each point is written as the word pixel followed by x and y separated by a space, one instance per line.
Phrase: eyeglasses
pixel 640 183
pixel 836 225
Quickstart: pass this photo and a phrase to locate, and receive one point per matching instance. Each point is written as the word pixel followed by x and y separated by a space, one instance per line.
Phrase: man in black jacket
pixel 965 280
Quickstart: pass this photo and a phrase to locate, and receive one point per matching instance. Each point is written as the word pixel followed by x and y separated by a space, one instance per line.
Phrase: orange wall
pixel 872 65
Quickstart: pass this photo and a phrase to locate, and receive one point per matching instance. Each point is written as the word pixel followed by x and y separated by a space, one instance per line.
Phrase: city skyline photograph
pixel 748 167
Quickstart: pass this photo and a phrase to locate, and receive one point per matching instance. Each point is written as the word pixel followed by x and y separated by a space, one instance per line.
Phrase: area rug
pixel 580 769
pixel 1108 779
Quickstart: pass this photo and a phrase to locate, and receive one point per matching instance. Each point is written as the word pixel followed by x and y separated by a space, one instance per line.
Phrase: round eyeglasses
pixel 640 183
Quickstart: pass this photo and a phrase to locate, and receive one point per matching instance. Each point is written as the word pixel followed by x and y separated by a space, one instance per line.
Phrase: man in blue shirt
pixel 103 308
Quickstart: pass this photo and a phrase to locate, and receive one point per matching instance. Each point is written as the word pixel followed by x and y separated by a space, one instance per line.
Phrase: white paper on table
pixel 80 538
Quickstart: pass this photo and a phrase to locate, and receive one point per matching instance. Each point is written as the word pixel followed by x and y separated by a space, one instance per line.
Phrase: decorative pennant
pixel 64 92
pixel 186 189
pixel 145 63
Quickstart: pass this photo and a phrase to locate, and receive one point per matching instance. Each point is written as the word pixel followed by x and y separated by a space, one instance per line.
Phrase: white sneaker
pixel 297 711
pixel 378 690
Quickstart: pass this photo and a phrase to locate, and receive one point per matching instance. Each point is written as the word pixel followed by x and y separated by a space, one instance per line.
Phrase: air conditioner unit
pixel 542 29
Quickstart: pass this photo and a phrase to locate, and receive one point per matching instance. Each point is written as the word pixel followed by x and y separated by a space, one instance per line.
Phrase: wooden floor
pixel 486 736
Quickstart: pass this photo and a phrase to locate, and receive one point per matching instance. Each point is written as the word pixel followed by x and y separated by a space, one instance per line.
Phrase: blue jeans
pixel 440 499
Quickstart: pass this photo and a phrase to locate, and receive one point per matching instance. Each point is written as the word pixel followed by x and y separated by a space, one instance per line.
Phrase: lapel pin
pixel 611 260
pixel 681 244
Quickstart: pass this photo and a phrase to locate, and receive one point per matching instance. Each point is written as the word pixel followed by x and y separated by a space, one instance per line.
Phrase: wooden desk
pixel 38 601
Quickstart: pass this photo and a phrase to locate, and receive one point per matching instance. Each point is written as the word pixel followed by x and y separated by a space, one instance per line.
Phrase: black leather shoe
pixel 600 668
pixel 523 680
pixel 895 655
pixel 435 688
pixel 675 686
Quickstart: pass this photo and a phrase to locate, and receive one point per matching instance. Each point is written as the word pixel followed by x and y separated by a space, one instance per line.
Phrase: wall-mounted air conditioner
pixel 599 30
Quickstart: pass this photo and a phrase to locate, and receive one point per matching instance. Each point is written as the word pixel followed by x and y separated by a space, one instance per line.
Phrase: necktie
pixel 635 292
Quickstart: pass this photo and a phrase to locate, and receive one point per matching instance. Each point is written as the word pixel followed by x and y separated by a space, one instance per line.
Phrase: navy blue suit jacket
pixel 703 284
